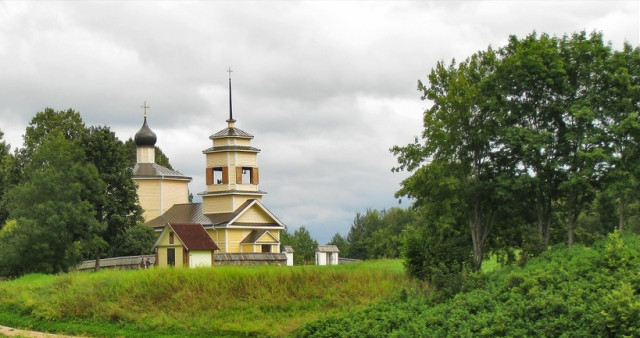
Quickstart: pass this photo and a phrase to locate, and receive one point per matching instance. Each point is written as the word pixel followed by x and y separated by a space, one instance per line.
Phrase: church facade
pixel 231 213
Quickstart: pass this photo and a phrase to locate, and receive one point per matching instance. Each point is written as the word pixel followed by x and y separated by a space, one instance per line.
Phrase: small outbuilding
pixel 327 255
pixel 288 251
pixel 184 245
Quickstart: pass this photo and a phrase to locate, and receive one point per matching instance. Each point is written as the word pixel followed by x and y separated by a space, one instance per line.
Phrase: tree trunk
pixel 570 226
pixel 477 244
pixel 540 212
pixel 621 212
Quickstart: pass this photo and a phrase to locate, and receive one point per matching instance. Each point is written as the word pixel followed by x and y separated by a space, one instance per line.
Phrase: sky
pixel 326 87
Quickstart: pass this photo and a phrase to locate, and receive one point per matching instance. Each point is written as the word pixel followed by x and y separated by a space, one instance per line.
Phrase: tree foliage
pixel 543 121
pixel 55 216
pixel 304 246
pixel 579 291
pixel 112 202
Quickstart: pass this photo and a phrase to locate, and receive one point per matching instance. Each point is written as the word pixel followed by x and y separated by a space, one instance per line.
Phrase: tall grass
pixel 221 300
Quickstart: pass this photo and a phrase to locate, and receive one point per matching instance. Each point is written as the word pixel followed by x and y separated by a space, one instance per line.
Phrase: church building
pixel 231 213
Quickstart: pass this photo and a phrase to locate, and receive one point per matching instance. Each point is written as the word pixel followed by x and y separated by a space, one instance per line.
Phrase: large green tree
pixel 117 208
pixel 54 211
pixel 545 120
pixel 461 128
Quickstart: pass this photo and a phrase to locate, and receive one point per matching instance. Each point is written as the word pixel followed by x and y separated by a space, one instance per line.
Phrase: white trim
pixel 254 202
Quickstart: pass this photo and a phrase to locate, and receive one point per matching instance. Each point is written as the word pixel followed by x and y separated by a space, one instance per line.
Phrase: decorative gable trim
pixel 257 204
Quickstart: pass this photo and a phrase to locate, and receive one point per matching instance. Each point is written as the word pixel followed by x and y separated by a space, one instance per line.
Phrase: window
pixel 171 257
pixel 266 248
pixel 246 175
pixel 171 238
pixel 217 175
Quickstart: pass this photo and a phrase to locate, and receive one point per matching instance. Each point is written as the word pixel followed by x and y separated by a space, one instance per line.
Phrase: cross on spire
pixel 229 71
pixel 145 107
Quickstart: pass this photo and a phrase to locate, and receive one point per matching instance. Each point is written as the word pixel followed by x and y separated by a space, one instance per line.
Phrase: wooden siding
pixel 255 215
pixel 247 159
pixel 149 198
pixel 174 192
pixel 216 159
pixel 216 204
pixel 145 154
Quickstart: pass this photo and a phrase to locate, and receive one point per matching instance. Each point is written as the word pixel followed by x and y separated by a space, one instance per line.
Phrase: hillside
pixel 264 301
pixel 579 291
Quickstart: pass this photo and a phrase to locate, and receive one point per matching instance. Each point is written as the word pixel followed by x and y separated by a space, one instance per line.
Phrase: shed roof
pixel 327 248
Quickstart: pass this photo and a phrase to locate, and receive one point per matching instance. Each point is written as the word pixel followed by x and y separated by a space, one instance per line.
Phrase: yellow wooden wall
pixel 156 196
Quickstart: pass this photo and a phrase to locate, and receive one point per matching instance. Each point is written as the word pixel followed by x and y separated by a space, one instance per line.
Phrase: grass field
pixel 225 300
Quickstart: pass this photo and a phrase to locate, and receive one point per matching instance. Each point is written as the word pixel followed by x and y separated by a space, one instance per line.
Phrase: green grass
pixel 225 300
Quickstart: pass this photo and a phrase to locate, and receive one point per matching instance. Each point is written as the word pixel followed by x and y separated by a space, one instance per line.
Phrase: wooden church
pixel 231 222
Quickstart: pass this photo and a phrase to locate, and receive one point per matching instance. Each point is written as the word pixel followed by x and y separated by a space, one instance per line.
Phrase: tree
pixel 117 208
pixel 135 240
pixel 304 247
pixel 621 99
pixel 55 218
pixel 532 82
pixel 5 165
pixel 340 242
pixel 461 129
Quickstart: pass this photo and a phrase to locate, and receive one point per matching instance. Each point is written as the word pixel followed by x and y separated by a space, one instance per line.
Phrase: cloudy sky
pixel 326 87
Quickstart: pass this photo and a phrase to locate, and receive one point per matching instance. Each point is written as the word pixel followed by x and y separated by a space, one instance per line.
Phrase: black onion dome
pixel 145 136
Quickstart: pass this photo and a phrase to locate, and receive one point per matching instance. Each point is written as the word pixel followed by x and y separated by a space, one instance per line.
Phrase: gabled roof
pixel 248 205
pixel 287 249
pixel 193 236
pixel 327 248
pixel 255 235
pixel 150 170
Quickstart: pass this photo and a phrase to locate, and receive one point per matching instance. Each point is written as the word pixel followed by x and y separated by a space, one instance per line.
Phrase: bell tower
pixel 232 174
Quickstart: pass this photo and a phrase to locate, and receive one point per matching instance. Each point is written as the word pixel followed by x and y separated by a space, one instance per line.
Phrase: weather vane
pixel 145 107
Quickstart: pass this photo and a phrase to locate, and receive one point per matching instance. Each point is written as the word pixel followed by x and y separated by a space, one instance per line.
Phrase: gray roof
pixel 287 249
pixel 194 213
pixel 254 236
pixel 327 248
pixel 155 170
pixel 231 148
pixel 231 132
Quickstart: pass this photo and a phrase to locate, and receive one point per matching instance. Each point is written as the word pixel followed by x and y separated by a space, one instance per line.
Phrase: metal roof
pixel 141 170
pixel 193 236
pixel 194 213
pixel 231 132
pixel 231 148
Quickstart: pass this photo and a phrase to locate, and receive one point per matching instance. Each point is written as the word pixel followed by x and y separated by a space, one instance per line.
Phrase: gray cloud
pixel 325 87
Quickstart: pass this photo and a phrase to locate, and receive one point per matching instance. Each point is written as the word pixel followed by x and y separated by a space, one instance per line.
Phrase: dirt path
pixel 10 332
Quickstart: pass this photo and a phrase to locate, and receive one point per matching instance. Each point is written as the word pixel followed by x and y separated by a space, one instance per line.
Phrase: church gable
pixel 256 214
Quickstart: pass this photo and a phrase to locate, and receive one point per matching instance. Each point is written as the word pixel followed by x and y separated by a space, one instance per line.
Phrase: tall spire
pixel 230 106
